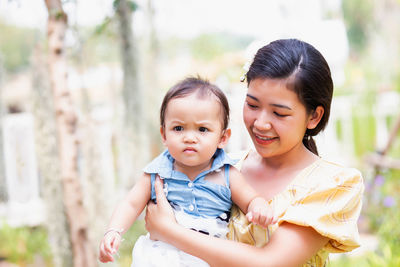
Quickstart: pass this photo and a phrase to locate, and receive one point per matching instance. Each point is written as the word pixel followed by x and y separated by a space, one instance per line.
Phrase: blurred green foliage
pixel 22 245
pixel 130 237
pixel 358 16
pixel 207 46
pixel 364 124
pixel 212 45
pixel 385 258
pixel 96 45
pixel 381 210
pixel 131 4
pixel 16 46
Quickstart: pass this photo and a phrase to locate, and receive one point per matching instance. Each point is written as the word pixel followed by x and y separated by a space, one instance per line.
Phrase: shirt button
pixel 191 207
pixel 190 184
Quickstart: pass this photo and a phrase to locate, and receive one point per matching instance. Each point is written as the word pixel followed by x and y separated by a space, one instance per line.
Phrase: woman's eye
pixel 178 128
pixel 251 106
pixel 279 114
pixel 203 129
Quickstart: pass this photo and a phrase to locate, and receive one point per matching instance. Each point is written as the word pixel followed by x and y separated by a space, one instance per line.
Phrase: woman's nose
pixel 262 122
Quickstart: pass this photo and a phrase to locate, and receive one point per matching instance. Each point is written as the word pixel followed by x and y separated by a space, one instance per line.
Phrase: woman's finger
pixel 160 195
pixel 160 215
pixel 149 209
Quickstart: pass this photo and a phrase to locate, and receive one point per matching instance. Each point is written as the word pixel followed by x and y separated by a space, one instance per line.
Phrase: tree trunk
pixel 133 143
pixel 150 73
pixel 97 164
pixel 66 121
pixel 49 165
pixel 131 93
pixel 3 186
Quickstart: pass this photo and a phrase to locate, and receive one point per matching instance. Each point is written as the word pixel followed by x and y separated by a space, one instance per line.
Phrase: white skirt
pixel 150 253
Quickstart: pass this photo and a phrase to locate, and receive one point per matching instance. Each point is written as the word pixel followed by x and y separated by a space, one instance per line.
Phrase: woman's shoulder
pixel 334 169
pixel 240 156
pixel 327 173
pixel 328 197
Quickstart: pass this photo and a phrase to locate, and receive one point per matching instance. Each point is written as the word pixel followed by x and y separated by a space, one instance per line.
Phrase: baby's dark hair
pixel 200 87
pixel 307 73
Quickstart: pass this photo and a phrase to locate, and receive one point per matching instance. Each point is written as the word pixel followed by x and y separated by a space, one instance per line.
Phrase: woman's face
pixel 275 117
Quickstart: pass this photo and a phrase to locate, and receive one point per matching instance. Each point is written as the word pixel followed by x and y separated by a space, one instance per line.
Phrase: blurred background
pixel 81 82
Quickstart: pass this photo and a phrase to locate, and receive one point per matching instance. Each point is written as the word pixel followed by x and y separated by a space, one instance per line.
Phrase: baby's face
pixel 193 129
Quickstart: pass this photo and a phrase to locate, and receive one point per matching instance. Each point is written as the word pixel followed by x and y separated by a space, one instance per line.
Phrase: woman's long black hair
pixel 308 73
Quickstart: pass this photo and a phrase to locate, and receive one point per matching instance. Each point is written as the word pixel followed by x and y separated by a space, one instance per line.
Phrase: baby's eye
pixel 178 128
pixel 203 129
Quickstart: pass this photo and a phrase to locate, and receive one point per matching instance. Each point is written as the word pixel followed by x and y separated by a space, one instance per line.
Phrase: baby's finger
pixel 262 220
pixel 256 217
pixel 108 245
pixel 103 255
pixel 270 216
pixel 274 220
pixel 249 216
pixel 115 245
pixel 101 250
pixel 106 258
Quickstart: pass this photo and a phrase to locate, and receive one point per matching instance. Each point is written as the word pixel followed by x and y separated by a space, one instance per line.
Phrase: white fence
pixel 24 205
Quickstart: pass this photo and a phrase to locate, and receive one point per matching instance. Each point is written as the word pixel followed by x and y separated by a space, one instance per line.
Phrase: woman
pixel 316 202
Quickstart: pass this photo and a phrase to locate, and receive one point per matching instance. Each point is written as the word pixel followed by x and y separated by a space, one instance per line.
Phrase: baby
pixel 200 182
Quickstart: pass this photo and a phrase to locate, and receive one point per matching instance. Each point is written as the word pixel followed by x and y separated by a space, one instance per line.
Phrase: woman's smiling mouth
pixel 264 140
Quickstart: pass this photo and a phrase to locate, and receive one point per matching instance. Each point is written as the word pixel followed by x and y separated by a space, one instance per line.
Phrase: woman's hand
pixel 159 216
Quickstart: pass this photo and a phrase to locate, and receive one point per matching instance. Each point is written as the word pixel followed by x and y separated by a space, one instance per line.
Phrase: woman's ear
pixel 163 137
pixel 315 117
pixel 226 134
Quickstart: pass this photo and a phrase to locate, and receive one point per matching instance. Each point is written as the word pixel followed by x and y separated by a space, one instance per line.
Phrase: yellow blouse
pixel 324 196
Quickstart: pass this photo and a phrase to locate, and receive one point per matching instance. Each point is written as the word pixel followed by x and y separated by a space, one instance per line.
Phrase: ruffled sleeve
pixel 330 203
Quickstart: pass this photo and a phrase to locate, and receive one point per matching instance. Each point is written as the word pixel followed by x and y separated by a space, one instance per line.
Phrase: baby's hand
pixel 260 212
pixel 109 245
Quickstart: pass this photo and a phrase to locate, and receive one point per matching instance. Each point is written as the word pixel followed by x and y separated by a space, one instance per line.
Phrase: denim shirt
pixel 199 197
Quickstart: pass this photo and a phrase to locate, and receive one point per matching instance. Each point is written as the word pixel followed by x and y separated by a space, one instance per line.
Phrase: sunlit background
pixel 116 94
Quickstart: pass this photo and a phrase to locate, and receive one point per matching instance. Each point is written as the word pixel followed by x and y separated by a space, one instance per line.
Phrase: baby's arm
pixel 123 216
pixel 260 212
pixel 256 208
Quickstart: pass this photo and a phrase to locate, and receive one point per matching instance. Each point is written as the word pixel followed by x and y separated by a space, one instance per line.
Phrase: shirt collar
pixel 163 165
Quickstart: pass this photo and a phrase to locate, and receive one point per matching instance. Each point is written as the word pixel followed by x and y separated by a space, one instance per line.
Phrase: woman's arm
pixel 290 245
